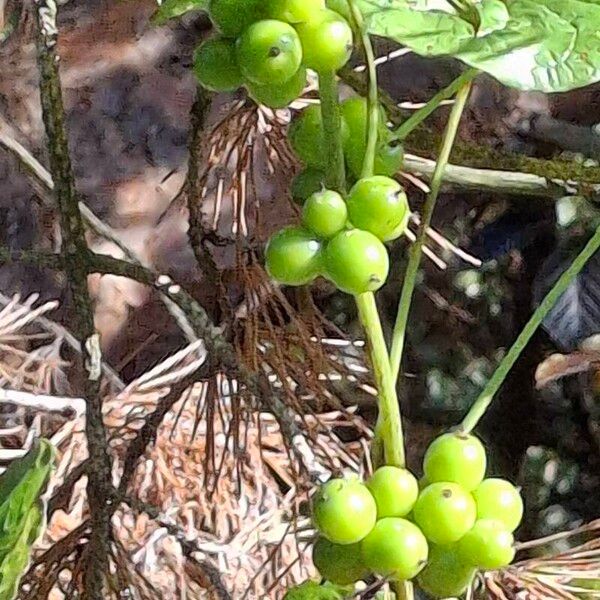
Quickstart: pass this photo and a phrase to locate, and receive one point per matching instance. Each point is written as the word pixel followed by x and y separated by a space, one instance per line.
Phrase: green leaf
pixel 548 45
pixel 544 45
pixel 21 513
pixel 170 9
pixel 15 561
pixel 428 33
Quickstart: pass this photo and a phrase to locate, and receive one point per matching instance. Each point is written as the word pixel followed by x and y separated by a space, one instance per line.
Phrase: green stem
pixel 412 269
pixel 389 441
pixel 485 398
pixel 448 92
pixel 373 95
pixel 332 127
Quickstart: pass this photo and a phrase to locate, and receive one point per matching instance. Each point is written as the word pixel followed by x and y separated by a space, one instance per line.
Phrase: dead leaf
pixel 557 366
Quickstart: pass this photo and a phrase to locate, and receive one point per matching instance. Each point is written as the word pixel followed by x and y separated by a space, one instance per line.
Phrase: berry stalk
pixel 485 398
pixel 332 129
pixel 373 95
pixel 412 270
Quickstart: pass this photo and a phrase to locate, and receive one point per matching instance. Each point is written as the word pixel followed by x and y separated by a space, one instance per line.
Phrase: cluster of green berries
pixel 307 138
pixel 267 45
pixel 439 531
pixel 342 239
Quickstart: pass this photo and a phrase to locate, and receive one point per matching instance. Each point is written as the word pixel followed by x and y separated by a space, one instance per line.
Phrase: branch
pixel 74 249
pixel 73 407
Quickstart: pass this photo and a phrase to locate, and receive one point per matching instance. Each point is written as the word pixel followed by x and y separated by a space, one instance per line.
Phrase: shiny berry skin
pixel 344 511
pixel 500 500
pixel 325 214
pixel 342 565
pixel 269 52
pixel 293 256
pixel 379 205
pixel 445 512
pixel 456 457
pixel 488 545
pixel 294 11
pixel 278 96
pixel 395 491
pixel 395 548
pixel 307 138
pixel 327 41
pixel 341 7
pixel 356 262
pixel 215 65
pixel 306 183
pixel 232 17
pixel 445 575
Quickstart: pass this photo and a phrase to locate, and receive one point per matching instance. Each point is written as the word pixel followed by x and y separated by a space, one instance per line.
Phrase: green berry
pixel 293 256
pixel 500 500
pixel 269 52
pixel 395 548
pixel 279 96
pixel 395 491
pixel 356 261
pixel 341 7
pixel 344 511
pixel 294 11
pixel 306 183
pixel 327 41
pixel 488 545
pixel 445 575
pixel 307 138
pixel 325 214
pixel 379 205
pixel 215 65
pixel 232 17
pixel 339 564
pixel 445 512
pixel 456 457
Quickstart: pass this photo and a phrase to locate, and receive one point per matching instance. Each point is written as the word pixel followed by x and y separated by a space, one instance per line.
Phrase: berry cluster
pixel 341 239
pixel 439 532
pixel 267 45
pixel 308 141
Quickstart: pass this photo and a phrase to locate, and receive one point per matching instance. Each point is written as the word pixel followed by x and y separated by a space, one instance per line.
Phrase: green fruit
pixel 279 96
pixel 389 155
pixel 327 41
pixel 356 261
pixel 395 548
pixel 215 65
pixel 500 500
pixel 456 457
pixel 232 17
pixel 488 545
pixel 269 52
pixel 445 574
pixel 445 512
pixel 295 11
pixel 306 183
pixel 379 205
pixel 339 564
pixel 344 511
pixel 341 7
pixel 293 256
pixel 311 590
pixel 325 214
pixel 307 138
pixel 395 491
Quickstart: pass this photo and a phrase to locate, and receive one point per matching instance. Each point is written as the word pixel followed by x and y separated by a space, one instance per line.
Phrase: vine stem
pixel 403 131
pixel 487 395
pixel 332 128
pixel 412 269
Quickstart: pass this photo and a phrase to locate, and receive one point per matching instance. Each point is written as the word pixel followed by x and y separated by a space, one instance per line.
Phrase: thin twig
pixel 74 248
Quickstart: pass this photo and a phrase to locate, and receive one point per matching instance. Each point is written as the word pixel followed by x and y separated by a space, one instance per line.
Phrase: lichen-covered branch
pixel 75 252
